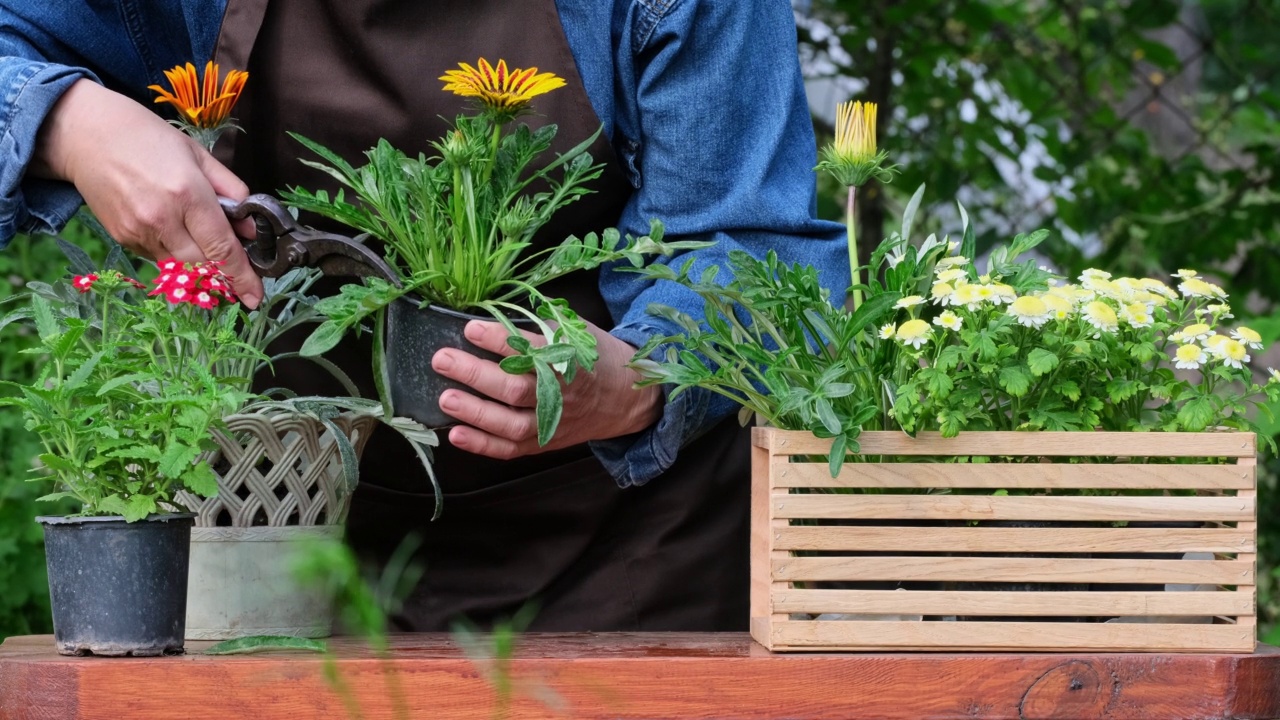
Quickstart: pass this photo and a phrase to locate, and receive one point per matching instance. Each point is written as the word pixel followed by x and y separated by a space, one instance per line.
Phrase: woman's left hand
pixel 499 417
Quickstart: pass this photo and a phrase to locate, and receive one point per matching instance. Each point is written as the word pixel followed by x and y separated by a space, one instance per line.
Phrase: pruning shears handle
pixel 281 244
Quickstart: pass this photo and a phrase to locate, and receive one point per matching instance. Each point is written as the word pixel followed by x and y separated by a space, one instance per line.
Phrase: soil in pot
pixel 118 588
pixel 413 336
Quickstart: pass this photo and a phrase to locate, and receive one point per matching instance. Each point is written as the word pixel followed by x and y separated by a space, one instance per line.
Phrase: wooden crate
pixel 930 542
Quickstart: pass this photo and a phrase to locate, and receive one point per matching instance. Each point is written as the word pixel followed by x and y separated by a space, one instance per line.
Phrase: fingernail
pixel 443 361
pixel 474 330
pixel 458 437
pixel 449 401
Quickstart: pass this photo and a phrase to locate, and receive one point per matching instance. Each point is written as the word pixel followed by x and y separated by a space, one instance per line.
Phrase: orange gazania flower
pixel 202 104
pixel 501 91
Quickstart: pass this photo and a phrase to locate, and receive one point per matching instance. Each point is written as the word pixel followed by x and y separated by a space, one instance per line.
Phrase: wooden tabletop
pixel 640 675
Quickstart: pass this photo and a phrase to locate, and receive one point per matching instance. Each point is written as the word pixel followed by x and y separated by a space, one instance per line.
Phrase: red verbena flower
pixel 84 283
pixel 205 300
pixel 169 265
pixel 183 279
pixel 177 294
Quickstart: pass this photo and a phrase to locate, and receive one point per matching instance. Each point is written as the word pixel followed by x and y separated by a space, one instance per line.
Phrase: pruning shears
pixel 280 244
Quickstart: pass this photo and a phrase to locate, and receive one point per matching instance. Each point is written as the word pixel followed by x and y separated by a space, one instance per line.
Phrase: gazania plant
pixel 458 227
pixel 204 106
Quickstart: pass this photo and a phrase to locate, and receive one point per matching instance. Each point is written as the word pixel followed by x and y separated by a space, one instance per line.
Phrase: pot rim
pixel 71 520
pixel 417 300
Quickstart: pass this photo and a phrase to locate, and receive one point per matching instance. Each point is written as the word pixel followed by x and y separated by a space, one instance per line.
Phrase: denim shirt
pixel 702 99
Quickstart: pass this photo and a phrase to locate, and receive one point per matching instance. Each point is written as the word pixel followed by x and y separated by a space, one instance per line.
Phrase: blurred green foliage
pixel 24 590
pixel 1144 133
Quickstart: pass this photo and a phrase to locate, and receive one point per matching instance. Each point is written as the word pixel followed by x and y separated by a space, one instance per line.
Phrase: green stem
pixel 850 223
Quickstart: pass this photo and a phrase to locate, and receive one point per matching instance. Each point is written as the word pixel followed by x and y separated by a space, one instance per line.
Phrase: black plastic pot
pixel 118 588
pixel 413 336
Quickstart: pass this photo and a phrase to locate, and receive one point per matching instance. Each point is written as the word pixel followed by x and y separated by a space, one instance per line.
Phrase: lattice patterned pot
pixel 280 485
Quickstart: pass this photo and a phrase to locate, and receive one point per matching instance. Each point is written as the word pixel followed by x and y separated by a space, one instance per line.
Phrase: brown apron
pixel 553 528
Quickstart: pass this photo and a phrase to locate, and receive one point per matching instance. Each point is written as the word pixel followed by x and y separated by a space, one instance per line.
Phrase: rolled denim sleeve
pixel 29 204
pixel 719 145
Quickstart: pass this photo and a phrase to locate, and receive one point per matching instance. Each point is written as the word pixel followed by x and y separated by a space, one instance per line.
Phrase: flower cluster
pixel 201 284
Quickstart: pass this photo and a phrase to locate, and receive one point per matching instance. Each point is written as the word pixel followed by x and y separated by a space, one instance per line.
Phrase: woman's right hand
pixel 152 187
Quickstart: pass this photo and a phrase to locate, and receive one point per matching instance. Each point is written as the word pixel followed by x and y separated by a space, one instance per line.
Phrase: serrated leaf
pixel 138 507
pixel 176 459
pixel 201 480
pixel 1041 361
pixel 1015 380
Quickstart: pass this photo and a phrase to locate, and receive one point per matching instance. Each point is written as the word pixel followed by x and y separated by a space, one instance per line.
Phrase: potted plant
pixel 457 229
pixel 124 409
pixel 995 400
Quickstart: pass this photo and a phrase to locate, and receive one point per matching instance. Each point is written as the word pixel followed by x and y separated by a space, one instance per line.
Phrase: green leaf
pixel 138 507
pixel 201 480
pixel 1121 389
pixel 176 459
pixel 909 215
pixel 1015 380
pixel 937 383
pixel 827 415
pixel 517 364
pixel 1067 389
pixel 1197 414
pixel 550 401
pixel 323 339
pixel 839 447
pixel 1041 361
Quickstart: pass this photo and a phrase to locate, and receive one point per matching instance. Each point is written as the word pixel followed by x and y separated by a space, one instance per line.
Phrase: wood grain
pixel 957 602
pixel 1114 476
pixel 1015 570
pixel 1035 444
pixel 992 507
pixel 652 675
pixel 1014 540
pixel 1030 636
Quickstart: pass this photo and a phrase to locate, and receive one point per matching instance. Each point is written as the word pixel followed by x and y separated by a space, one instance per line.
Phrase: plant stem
pixel 850 224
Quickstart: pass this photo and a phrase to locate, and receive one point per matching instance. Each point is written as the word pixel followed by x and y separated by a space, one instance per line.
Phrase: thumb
pixel 208 226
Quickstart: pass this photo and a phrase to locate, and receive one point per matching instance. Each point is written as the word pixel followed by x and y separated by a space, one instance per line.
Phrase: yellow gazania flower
pixel 856 131
pixel 201 103
pixel 501 91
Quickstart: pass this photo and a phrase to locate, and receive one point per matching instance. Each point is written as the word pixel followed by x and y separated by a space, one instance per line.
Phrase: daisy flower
pixel 948 320
pixel 1190 357
pixel 1030 311
pixel 1233 353
pixel 1101 317
pixel 941 293
pixel 914 333
pixel 1249 337
pixel 909 301
pixel 1059 308
pixel 886 331
pixel 1191 333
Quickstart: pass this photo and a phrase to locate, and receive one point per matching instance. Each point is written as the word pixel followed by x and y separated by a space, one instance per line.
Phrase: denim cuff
pixel 28 204
pixel 638 458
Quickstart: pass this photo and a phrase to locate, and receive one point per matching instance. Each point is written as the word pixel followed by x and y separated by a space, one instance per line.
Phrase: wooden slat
pixel 849 635
pixel 991 507
pixel 1014 540
pixel 1251 527
pixel 1011 475
pixel 1014 570
pixel 1039 444
pixel 1106 604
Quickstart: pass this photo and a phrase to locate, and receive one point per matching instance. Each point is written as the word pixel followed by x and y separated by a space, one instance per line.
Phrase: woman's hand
pixel 152 187
pixel 598 405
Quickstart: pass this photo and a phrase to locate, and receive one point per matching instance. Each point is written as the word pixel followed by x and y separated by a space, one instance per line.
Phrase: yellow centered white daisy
pixel 1094 274
pixel 914 333
pixel 1190 357
pixel 1101 316
pixel 1159 288
pixel 1003 293
pixel 1137 315
pixel 950 275
pixel 1214 342
pixel 1030 311
pixel 968 296
pixel 1233 353
pixel 941 293
pixel 1194 287
pixel 1221 311
pixel 1191 333
pixel 1275 375
pixel 1059 309
pixel 1184 274
pixel 1248 336
pixel 951 262
pixel 909 301
pixel 948 320
pixel 886 331
pixel 985 292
